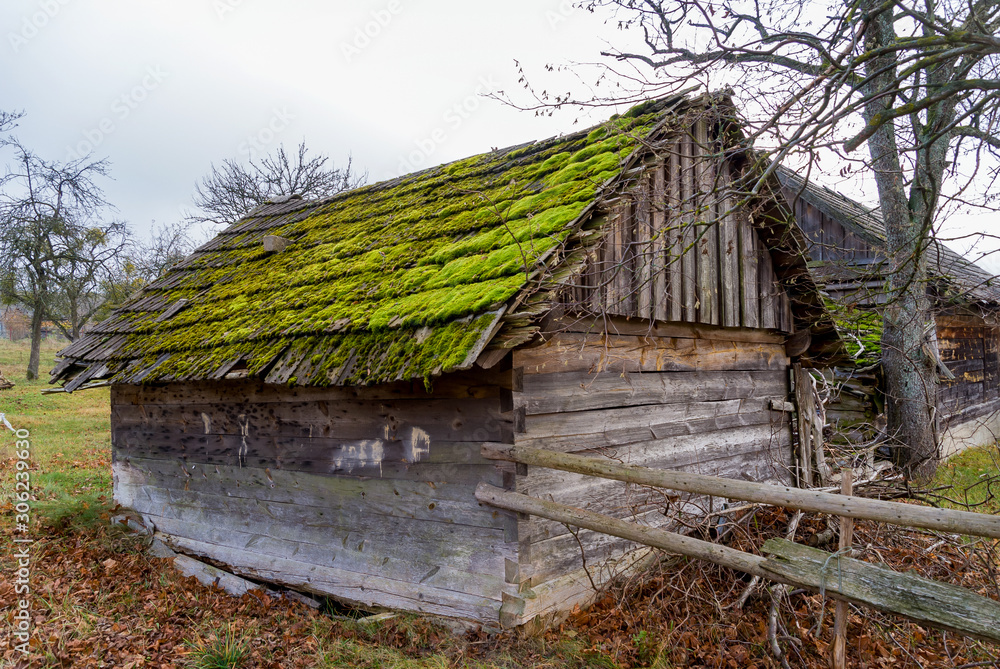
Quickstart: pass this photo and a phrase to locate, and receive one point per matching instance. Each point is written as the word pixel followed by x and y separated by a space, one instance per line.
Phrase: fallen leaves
pixel 102 602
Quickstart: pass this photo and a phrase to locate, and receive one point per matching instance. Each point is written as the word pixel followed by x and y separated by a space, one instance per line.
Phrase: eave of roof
pixel 957 279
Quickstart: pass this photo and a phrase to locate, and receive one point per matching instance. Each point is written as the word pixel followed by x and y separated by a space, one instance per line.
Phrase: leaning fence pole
pixel 895 513
pixel 923 600
pixel 838 658
pixel 649 536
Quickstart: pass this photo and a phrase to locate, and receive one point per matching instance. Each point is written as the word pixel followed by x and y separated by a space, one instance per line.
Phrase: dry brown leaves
pixel 99 601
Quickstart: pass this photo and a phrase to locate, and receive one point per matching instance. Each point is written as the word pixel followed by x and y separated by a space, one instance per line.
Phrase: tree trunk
pixel 36 340
pixel 910 374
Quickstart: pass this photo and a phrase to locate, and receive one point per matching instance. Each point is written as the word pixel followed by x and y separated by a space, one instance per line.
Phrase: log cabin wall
pixel 687 380
pixel 365 494
pixel 969 404
pixel 679 397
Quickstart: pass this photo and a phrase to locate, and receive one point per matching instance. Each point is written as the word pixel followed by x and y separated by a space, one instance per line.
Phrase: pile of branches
pixel 694 614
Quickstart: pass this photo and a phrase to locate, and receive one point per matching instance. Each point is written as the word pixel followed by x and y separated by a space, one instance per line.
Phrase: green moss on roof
pixel 402 279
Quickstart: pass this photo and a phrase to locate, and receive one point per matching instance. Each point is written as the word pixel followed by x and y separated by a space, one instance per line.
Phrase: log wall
pixel 969 405
pixel 700 402
pixel 365 494
pixel 829 241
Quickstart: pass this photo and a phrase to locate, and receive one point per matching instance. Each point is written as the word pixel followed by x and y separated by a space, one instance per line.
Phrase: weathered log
pixel 4 383
pixel 929 602
pixel 649 536
pixel 896 513
pixel 926 601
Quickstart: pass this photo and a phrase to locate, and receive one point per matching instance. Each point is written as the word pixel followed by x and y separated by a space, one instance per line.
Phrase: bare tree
pixel 8 121
pixel 44 208
pixel 232 190
pixel 915 82
pixel 142 261
pixel 89 257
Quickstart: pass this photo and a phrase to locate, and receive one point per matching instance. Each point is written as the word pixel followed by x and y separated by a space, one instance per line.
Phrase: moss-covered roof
pixel 403 279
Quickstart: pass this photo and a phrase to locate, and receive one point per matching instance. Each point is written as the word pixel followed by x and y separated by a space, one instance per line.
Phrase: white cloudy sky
pixel 164 88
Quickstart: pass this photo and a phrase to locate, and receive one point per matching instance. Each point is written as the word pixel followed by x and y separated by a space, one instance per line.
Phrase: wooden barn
pixel 305 398
pixel 846 251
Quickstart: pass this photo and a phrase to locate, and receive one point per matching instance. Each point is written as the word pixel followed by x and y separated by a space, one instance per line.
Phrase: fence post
pixel 839 658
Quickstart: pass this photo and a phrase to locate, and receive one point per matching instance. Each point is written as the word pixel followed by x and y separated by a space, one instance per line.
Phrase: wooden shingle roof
pixel 955 278
pixel 403 279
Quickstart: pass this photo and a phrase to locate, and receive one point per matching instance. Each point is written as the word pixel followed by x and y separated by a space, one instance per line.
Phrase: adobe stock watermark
pixel 452 120
pixel 364 35
pixel 121 108
pixel 560 15
pixel 21 558
pixel 34 23
pixel 224 7
pixel 278 123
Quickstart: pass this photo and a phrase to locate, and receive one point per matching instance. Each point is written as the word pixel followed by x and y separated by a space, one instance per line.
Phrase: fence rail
pixel 923 600
pixel 896 513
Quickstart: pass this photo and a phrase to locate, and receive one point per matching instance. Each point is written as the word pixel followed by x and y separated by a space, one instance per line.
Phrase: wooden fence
pixel 923 600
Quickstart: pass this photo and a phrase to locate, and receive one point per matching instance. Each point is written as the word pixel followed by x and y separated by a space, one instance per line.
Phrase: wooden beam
pixel 896 513
pixel 617 325
pixel 650 536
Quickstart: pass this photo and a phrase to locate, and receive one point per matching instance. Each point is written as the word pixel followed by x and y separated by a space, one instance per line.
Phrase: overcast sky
pixel 164 88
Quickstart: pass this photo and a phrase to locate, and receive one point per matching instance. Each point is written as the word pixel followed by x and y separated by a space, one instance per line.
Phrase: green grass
pixel 225 651
pixel 971 480
pixel 69 436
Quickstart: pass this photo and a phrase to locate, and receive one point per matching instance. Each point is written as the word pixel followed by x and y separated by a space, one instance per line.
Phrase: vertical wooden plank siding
pixel 768 290
pixel 661 245
pixel 689 264
pixel 729 255
pixel 643 248
pixel 750 289
pixel 707 231
pixel 675 251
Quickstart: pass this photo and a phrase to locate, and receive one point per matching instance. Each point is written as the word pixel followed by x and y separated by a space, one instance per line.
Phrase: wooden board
pixel 478 384
pixel 581 391
pixel 573 352
pixel 360 589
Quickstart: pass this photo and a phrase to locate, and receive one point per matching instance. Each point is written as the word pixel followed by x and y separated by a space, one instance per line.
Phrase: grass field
pixel 70 434
pixel 99 600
